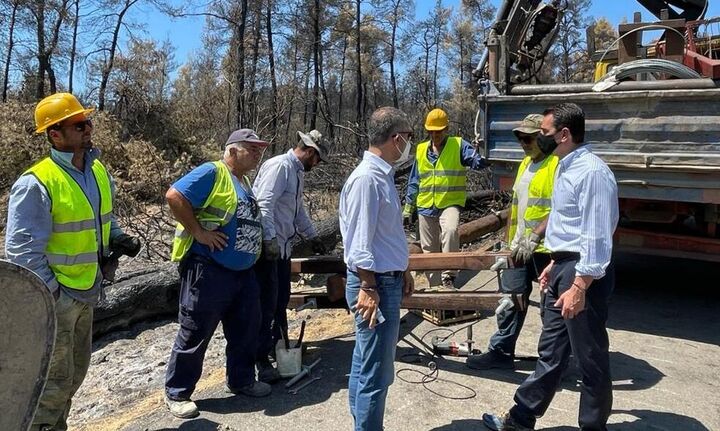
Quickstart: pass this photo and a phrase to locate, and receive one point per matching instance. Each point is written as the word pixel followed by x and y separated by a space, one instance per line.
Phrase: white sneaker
pixel 182 409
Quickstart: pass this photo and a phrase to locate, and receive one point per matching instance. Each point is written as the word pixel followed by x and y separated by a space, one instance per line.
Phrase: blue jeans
pixel 518 281
pixel 210 294
pixel 373 370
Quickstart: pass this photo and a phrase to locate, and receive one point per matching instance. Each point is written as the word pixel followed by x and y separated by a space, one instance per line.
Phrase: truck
pixel 660 137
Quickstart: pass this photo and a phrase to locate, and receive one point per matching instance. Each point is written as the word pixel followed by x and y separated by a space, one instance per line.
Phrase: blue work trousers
pixel 373 371
pixel 586 337
pixel 517 281
pixel 210 294
pixel 273 276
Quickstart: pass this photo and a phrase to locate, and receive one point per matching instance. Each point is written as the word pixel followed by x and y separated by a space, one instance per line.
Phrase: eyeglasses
pixel 409 133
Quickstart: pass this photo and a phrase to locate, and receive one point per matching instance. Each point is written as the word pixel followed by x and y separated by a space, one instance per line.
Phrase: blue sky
pixel 185 33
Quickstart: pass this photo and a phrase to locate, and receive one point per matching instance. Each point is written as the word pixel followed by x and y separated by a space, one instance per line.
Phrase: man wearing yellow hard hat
pixel 61 226
pixel 437 190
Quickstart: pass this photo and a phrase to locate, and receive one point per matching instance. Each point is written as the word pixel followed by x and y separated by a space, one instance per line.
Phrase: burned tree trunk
pixel 153 293
pixel 328 230
pixel 137 297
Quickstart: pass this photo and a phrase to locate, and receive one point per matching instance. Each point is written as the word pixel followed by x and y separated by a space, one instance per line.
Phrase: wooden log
pixel 476 229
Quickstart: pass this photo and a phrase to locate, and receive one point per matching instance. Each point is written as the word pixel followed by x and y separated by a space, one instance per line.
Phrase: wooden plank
pixel 453 300
pixel 432 300
pixel 475 260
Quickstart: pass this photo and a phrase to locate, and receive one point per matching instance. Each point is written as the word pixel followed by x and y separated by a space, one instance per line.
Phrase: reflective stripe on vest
pixel 539 197
pixel 444 184
pixel 72 249
pixel 217 210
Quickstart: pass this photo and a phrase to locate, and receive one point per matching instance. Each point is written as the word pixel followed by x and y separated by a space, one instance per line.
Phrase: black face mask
pixel 546 143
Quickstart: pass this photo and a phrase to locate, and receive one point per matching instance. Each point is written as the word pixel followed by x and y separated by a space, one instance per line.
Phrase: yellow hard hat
pixel 53 109
pixel 436 119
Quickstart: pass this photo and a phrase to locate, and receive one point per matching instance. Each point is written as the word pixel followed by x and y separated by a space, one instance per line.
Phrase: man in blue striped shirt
pixel 577 282
pixel 376 255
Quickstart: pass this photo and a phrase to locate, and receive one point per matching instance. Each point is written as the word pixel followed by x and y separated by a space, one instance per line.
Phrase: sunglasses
pixel 79 126
pixel 527 139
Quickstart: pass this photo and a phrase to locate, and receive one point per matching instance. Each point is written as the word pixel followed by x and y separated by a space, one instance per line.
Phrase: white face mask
pixel 404 154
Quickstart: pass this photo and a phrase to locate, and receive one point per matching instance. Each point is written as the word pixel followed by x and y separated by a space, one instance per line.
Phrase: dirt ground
pixel 665 344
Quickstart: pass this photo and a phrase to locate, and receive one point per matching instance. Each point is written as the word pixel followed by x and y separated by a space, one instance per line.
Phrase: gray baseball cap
pixel 530 125
pixel 245 135
pixel 314 139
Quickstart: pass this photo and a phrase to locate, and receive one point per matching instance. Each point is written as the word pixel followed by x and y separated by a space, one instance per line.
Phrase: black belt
pixel 385 274
pixel 565 255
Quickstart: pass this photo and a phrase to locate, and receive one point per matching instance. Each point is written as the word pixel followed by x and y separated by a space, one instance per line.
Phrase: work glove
pixel 409 214
pixel 317 246
pixel 108 268
pixel 525 247
pixel 271 249
pixel 120 245
pixel 125 244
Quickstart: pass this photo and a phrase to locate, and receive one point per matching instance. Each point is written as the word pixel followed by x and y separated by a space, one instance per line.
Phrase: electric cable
pixel 434 374
pixel 648 65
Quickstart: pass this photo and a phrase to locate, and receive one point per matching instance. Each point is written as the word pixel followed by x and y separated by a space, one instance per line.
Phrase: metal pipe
pixel 670 84
pixel 501 15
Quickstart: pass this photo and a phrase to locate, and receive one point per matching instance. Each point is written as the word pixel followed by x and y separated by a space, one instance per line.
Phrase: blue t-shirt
pixel 244 231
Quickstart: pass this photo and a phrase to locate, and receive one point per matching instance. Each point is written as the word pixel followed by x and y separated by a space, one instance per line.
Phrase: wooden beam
pixel 432 300
pixel 475 260
pixel 453 300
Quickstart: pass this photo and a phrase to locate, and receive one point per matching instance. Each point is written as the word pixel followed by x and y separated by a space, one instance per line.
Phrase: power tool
pixel 444 347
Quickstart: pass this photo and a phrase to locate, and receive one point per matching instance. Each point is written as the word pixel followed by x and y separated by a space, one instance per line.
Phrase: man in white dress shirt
pixel 376 255
pixel 577 282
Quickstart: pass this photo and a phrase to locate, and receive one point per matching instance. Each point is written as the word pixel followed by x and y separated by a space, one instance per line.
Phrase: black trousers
pixel 274 279
pixel 210 294
pixel 586 337
pixel 518 280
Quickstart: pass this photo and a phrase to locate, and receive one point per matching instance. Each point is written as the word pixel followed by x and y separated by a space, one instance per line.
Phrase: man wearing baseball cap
pixel 279 189
pixel 217 240
pixel 526 227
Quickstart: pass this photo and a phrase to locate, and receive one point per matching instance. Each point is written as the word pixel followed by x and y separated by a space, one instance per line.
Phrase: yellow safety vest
pixel 539 197
pixel 444 184
pixel 217 211
pixel 72 249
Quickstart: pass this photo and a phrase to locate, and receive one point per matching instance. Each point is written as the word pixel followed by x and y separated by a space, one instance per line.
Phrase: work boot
pixel 448 282
pixel 490 359
pixel 183 409
pixel 503 423
pixel 255 390
pixel 267 373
